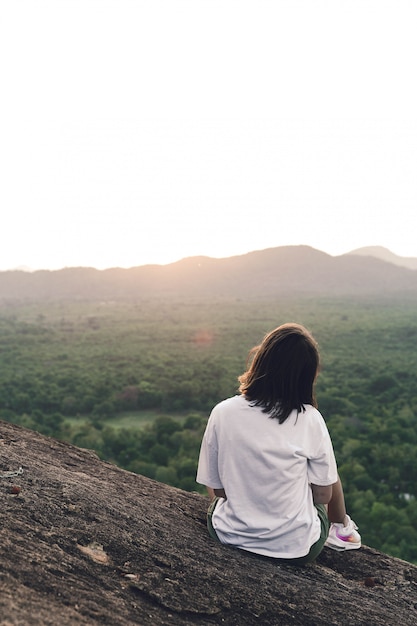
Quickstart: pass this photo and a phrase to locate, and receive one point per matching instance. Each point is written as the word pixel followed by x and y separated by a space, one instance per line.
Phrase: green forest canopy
pixel 76 370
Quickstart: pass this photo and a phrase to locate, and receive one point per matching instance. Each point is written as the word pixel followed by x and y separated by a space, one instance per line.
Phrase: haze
pixel 145 132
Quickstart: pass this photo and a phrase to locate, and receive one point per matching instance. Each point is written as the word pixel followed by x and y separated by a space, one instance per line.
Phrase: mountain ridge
pixel 286 270
pixel 379 252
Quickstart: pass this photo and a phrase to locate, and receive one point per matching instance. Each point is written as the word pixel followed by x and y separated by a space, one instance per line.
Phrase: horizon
pixel 174 130
pixel 27 269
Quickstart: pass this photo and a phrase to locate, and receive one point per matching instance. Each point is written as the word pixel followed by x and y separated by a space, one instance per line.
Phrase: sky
pixel 136 132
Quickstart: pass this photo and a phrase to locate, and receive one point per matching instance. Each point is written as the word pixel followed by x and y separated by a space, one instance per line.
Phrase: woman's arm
pixel 213 493
pixel 333 496
pixel 322 495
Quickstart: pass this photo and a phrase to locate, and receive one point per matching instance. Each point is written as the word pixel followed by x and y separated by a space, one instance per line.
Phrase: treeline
pixel 166 450
pixel 70 369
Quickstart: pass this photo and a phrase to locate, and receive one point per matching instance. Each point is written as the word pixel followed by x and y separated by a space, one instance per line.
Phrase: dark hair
pixel 283 371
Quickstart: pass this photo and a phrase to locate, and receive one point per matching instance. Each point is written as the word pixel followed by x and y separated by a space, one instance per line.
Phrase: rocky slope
pixel 83 543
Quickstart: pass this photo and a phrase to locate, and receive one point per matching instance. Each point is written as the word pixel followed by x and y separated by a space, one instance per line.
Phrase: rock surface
pixel 84 543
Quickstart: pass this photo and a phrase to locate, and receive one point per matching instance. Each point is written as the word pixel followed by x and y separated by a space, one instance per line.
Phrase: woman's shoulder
pixel 309 409
pixel 311 412
pixel 313 416
pixel 232 402
pixel 232 405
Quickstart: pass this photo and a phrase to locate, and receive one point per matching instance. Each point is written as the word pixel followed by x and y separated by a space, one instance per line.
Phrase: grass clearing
pixel 130 419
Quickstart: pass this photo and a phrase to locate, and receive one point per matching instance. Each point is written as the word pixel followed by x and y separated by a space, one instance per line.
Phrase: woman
pixel 268 462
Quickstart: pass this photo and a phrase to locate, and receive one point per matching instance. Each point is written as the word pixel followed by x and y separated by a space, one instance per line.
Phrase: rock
pixel 86 543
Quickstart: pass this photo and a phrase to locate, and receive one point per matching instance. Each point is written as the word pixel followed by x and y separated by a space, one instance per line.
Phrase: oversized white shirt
pixel 266 469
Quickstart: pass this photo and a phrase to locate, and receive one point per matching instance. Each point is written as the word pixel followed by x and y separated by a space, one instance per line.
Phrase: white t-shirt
pixel 266 469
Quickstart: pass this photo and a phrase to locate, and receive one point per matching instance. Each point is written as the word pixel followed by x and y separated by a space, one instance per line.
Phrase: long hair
pixel 282 373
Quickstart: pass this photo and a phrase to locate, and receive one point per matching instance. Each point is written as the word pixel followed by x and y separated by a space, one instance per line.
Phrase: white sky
pixel 136 132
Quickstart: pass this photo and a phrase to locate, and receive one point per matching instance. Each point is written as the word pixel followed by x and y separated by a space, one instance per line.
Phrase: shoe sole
pixel 342 548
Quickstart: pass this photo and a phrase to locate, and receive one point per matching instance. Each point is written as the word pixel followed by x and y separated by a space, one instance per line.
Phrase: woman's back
pixel 265 468
pixel 268 458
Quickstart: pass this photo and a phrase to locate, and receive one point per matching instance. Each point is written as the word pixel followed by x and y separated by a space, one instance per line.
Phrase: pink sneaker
pixel 343 537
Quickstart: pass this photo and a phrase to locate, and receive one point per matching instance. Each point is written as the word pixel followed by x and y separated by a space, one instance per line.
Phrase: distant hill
pixel 379 252
pixel 287 270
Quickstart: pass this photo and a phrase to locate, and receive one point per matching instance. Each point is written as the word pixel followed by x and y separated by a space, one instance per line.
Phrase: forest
pixel 135 380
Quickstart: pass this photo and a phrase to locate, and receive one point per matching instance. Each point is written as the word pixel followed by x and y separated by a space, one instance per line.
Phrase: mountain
pixel 84 543
pixel 384 254
pixel 287 270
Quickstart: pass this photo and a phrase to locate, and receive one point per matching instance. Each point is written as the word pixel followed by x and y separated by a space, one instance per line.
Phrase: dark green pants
pixel 315 549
